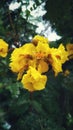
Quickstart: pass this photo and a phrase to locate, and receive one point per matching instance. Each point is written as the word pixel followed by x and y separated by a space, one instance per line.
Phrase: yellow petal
pixel 41 83
pixel 43 66
pixel 57 57
pixel 42 48
pixel 3 48
pixel 27 84
pixel 28 48
pixel 33 80
pixel 38 39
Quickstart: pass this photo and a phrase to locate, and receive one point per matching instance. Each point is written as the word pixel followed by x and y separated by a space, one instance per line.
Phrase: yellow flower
pixel 33 80
pixel 66 73
pixel 21 57
pixel 60 53
pixel 69 48
pixel 3 48
pixel 38 39
pixel 57 57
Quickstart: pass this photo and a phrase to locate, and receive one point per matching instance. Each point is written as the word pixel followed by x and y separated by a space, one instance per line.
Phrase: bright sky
pixel 51 35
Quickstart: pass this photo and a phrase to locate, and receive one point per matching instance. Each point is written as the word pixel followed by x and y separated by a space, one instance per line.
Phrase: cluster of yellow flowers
pixel 32 60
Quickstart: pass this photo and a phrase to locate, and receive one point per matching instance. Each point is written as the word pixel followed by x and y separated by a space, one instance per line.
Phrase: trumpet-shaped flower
pixel 3 48
pixel 21 56
pixel 62 53
pixel 57 58
pixel 33 80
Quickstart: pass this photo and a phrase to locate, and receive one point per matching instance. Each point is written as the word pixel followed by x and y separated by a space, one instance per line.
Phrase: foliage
pixel 18 25
pixel 60 15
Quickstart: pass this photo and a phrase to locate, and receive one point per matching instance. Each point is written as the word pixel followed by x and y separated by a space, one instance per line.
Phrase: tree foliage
pixel 60 15
pixel 19 24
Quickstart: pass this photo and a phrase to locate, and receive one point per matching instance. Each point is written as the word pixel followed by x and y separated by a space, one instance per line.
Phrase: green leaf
pixel 38 107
